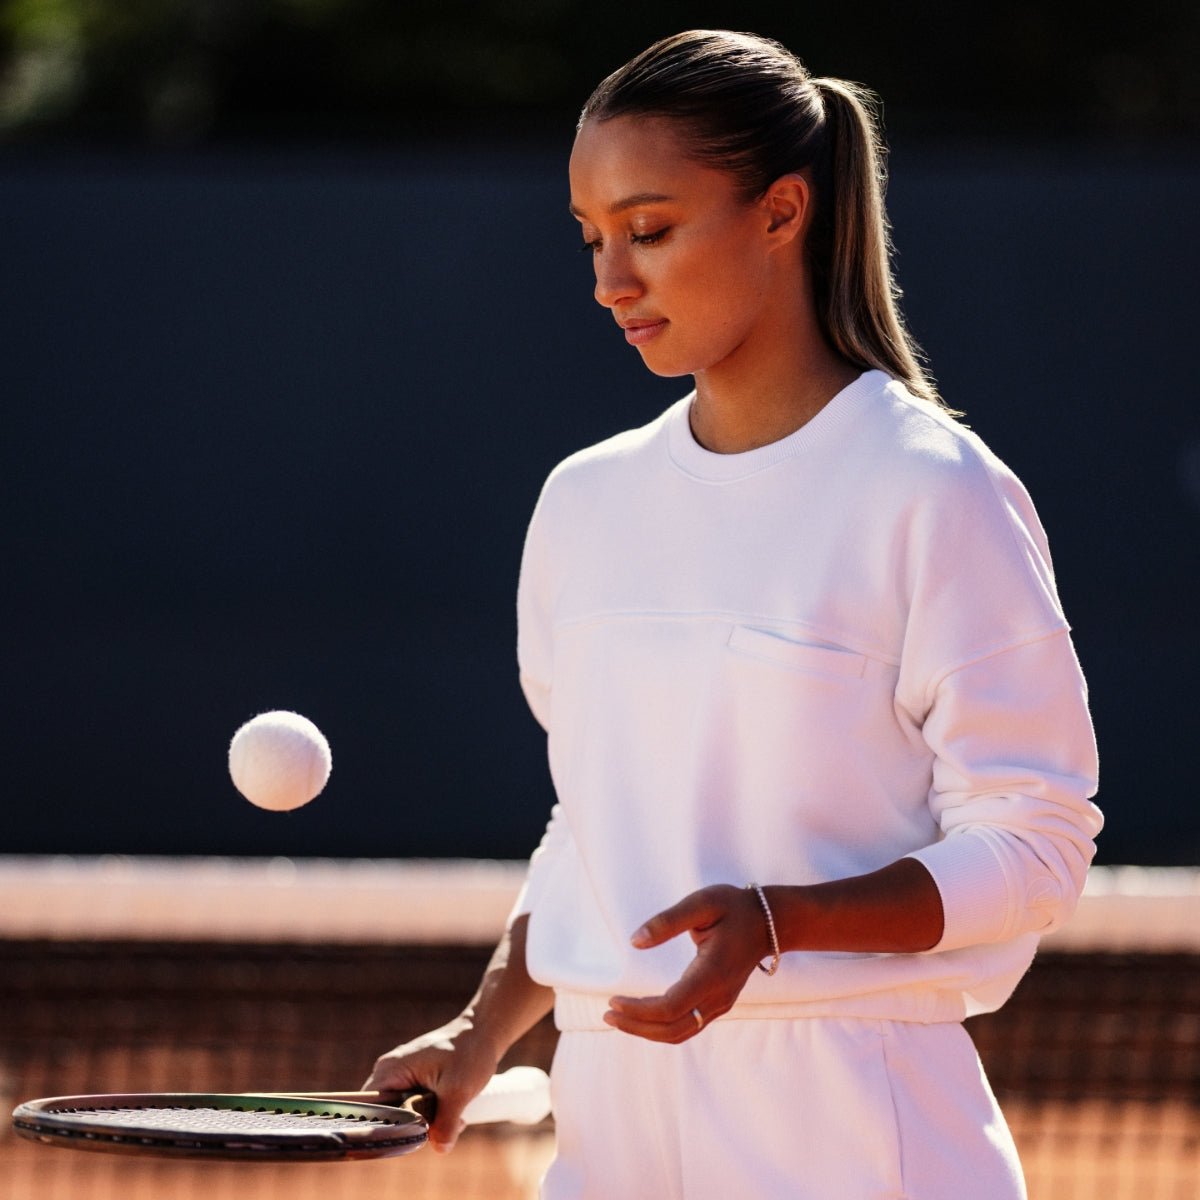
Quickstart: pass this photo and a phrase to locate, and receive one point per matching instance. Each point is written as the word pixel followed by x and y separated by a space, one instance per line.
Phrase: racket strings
pixel 222 1120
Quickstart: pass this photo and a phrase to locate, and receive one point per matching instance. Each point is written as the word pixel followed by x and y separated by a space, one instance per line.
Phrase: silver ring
pixel 699 1018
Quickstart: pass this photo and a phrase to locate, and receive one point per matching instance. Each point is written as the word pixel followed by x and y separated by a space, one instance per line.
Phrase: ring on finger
pixel 699 1018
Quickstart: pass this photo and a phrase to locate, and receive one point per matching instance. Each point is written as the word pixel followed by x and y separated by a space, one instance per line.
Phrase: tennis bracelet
pixel 762 899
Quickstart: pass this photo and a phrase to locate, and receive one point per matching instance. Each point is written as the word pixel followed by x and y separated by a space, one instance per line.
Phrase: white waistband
pixel 579 1012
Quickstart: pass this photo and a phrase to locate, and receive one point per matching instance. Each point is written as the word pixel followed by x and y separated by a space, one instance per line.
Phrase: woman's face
pixel 685 265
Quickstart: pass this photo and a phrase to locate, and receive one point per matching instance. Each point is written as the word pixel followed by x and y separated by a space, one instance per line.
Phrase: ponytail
pixel 750 107
pixel 850 243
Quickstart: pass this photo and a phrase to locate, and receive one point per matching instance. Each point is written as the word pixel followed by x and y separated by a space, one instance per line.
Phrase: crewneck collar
pixel 694 459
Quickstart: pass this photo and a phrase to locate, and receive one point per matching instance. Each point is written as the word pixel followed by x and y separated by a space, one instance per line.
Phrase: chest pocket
pixel 799 656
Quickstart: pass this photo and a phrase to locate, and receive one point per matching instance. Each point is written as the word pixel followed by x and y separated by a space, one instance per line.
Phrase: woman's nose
pixel 616 281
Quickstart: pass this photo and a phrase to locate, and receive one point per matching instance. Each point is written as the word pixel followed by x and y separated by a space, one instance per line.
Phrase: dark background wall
pixel 276 407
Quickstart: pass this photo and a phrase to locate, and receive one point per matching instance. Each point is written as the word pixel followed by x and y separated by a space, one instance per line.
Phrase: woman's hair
pixel 750 107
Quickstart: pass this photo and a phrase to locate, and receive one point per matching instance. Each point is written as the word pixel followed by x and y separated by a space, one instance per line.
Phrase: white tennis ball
pixel 279 760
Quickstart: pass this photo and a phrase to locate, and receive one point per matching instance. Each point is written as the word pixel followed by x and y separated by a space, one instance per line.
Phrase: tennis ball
pixel 279 760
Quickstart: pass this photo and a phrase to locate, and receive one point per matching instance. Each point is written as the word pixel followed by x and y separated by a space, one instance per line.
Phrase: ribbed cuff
pixel 976 897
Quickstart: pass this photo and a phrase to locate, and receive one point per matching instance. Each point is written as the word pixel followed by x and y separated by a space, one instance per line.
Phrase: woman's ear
pixel 788 205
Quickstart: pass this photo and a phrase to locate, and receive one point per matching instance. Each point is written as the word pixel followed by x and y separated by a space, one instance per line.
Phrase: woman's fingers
pixel 654 1028
pixel 694 913
pixel 446 1062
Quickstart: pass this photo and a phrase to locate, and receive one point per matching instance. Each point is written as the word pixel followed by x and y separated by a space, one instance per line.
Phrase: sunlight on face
pixel 682 261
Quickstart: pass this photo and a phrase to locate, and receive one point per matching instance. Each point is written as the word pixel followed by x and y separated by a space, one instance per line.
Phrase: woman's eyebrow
pixel 634 201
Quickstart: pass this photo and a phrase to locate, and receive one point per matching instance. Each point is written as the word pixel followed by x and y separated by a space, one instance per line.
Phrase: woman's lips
pixel 638 333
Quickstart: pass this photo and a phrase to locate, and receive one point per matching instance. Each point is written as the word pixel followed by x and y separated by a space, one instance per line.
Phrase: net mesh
pixel 1095 1059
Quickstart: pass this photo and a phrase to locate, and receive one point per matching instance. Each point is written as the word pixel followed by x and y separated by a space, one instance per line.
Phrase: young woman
pixel 819 738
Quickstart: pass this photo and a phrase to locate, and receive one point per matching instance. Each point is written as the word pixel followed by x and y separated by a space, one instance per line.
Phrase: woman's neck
pixel 739 407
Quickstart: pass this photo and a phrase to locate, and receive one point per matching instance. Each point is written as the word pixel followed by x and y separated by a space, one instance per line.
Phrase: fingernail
pixel 641 936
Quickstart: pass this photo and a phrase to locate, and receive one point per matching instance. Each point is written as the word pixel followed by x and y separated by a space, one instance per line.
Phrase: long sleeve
pixel 1015 763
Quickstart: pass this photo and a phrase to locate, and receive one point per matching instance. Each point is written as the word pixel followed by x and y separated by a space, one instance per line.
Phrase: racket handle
pixel 520 1095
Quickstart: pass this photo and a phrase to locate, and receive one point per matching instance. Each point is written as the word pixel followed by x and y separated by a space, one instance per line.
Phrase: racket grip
pixel 520 1095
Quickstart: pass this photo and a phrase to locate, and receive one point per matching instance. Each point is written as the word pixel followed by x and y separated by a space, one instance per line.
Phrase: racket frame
pixel 397 1127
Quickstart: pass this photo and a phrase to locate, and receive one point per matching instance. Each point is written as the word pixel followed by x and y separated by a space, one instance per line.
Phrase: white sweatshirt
pixel 793 665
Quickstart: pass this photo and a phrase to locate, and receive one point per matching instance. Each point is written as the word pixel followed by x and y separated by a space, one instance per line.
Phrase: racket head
pixel 247 1127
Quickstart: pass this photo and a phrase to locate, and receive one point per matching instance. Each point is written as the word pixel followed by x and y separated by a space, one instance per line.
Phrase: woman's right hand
pixel 454 1062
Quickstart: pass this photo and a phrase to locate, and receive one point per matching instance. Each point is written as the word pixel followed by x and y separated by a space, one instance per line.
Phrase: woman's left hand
pixel 731 937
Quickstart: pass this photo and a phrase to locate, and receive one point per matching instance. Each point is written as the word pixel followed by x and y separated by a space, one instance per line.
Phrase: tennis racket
pixel 270 1127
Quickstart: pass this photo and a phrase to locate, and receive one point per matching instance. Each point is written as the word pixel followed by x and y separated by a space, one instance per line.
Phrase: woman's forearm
pixel 895 910
pixel 508 1003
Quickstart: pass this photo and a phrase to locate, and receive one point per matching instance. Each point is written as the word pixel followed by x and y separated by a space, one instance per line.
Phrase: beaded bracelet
pixel 762 899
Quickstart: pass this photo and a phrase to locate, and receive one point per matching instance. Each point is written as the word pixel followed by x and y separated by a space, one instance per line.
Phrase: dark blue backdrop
pixel 274 423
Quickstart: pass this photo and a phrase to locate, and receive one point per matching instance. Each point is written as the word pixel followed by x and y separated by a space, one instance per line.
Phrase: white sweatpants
pixel 814 1109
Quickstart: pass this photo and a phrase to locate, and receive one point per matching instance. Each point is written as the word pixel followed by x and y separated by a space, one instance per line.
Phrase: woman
pixel 810 697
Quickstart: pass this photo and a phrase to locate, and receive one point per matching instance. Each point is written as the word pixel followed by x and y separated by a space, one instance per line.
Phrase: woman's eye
pixel 595 245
